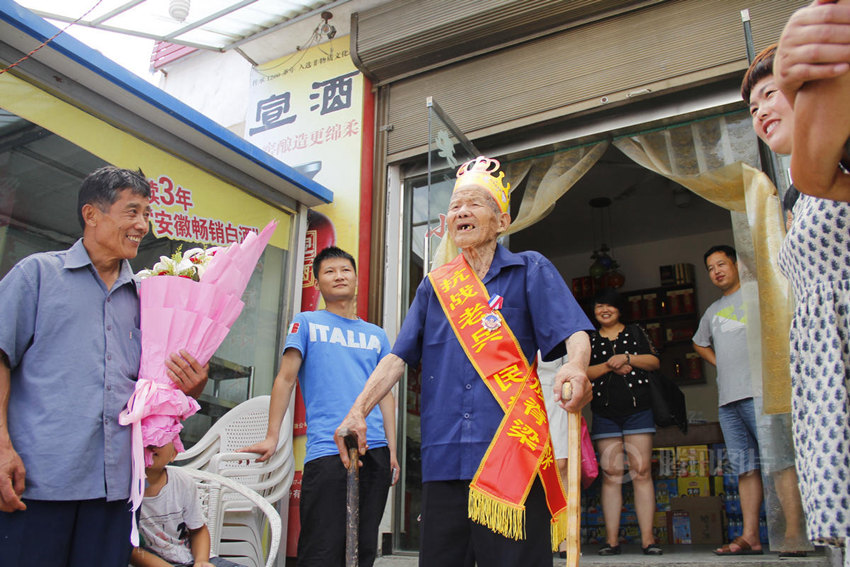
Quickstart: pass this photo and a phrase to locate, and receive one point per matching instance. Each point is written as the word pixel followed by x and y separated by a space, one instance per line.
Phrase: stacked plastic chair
pixel 214 490
pixel 243 525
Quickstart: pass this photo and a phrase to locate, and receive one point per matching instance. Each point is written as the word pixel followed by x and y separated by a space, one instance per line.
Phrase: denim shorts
pixel 738 422
pixel 634 424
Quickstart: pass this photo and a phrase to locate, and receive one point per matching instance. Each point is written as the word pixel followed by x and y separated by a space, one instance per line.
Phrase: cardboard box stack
pixel 689 487
pixel 696 500
pixel 593 523
pixel 732 510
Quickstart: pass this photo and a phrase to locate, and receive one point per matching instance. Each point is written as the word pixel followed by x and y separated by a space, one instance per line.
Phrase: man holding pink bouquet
pixel 70 347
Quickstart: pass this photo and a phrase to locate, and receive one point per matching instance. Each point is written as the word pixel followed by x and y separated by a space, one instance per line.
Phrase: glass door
pixel 426 202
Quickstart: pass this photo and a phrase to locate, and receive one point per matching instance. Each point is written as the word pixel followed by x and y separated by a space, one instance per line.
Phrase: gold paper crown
pixel 479 173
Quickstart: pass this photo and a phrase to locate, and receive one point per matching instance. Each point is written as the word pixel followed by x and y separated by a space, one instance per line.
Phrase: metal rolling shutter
pixel 657 47
pixel 404 36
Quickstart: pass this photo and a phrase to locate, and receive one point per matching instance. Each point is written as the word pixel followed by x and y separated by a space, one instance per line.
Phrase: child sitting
pixel 171 524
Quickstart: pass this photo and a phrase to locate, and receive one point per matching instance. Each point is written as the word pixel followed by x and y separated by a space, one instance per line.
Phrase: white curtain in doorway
pixel 549 177
pixel 716 158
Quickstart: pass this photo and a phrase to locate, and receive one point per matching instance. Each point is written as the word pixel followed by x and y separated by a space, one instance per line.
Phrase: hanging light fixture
pixel 604 268
pixel 179 9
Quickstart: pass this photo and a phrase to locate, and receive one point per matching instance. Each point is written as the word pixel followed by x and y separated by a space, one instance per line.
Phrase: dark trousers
pixel 83 533
pixel 450 539
pixel 322 539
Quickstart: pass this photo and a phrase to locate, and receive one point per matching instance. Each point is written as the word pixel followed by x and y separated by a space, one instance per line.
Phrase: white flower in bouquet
pixel 195 262
pixel 190 264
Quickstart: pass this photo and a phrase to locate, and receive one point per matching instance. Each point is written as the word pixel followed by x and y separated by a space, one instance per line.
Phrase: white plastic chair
pixel 213 490
pixel 245 425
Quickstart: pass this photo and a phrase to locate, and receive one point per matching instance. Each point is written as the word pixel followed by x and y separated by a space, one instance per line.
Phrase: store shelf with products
pixel 670 317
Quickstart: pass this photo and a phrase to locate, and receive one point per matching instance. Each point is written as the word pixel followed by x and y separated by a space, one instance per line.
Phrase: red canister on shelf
pixel 674 302
pixel 587 286
pixel 654 332
pixel 577 293
pixel 635 310
pixel 650 305
pixel 688 300
pixel 694 366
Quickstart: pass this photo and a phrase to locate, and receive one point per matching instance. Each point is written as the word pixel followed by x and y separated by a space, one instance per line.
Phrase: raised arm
pixel 284 383
pixel 379 384
pixel 822 127
pixel 814 47
pixel 12 471
pixel 815 44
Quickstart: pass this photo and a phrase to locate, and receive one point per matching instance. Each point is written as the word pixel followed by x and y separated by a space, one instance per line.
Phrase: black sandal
pixel 609 550
pixel 652 549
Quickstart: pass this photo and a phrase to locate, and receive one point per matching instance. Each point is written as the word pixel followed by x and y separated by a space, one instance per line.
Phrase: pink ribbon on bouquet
pixel 148 397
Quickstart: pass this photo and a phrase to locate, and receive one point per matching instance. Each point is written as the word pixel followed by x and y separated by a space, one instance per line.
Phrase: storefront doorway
pixel 651 220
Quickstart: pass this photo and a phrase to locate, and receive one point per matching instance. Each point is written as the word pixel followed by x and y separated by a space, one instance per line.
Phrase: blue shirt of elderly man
pixel 70 348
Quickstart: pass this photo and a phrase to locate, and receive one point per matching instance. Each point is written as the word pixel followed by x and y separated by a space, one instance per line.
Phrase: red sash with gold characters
pixel 521 448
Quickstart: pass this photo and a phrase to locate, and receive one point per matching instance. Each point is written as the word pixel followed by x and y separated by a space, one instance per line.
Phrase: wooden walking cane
pixel 573 481
pixel 352 501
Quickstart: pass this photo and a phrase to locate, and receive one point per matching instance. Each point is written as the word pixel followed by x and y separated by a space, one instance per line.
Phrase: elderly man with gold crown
pixel 491 493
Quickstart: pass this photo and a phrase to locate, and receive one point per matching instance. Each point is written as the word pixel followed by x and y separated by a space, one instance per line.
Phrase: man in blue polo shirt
pixel 460 415
pixel 331 353
pixel 70 347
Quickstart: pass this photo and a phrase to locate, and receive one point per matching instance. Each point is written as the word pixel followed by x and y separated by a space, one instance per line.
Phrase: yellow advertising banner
pixel 188 203
pixel 306 109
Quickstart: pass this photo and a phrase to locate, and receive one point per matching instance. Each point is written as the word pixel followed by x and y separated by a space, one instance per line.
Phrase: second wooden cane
pixel 352 503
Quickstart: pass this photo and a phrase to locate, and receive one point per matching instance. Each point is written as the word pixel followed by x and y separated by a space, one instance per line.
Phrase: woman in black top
pixel 621 355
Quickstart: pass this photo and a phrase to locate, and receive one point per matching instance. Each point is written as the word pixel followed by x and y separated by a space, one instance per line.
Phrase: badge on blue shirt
pixel 493 320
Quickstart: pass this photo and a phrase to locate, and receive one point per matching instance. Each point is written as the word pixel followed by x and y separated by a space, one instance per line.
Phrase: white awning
pixel 206 24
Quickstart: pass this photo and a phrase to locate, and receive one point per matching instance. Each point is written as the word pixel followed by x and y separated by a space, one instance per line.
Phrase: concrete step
pixel 674 556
